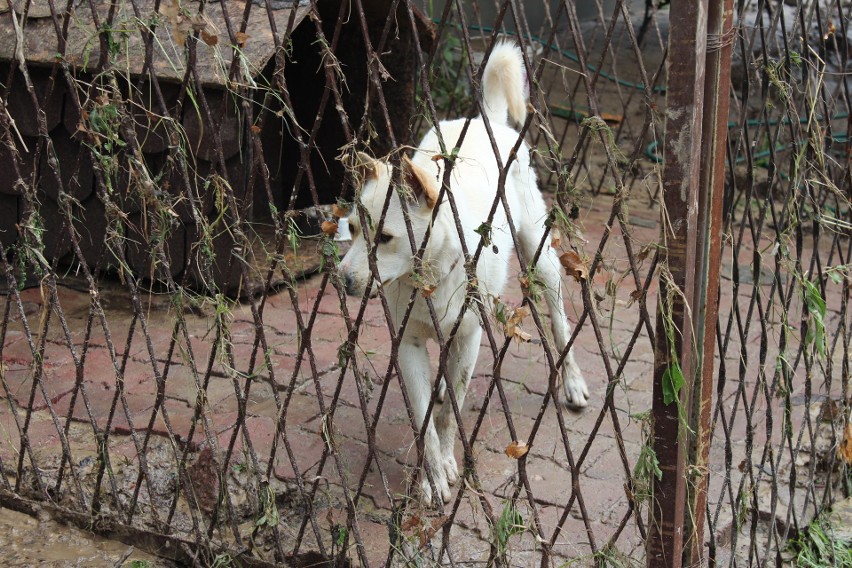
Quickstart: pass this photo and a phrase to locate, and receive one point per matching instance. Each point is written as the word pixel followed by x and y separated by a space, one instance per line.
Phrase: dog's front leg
pixel 460 363
pixel 573 383
pixel 414 364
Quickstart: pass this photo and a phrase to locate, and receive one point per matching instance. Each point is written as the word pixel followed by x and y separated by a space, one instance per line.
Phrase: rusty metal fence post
pixel 673 353
pixel 695 136
pixel 708 249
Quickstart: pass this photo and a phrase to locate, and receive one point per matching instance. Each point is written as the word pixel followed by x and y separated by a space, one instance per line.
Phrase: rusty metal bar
pixel 673 352
pixel 720 36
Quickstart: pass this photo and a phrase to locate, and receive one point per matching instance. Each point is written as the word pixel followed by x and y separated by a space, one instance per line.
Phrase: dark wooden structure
pixel 194 113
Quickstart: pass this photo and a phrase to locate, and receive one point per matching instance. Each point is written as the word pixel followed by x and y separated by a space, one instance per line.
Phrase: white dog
pixel 474 185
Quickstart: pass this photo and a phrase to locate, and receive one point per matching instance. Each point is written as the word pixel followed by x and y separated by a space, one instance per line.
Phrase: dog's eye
pixel 383 238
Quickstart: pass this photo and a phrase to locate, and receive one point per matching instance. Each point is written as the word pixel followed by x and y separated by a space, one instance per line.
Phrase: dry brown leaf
pixel 520 335
pixel 241 37
pixel 410 522
pixel 208 38
pixel 513 325
pixel 519 314
pixel 428 532
pixel 439 522
pixel 329 228
pixel 516 450
pixel 635 296
pixel 339 211
pixel 574 265
pixel 555 237
pixel 437 157
pixel 428 289
pixel 844 451
pixel 829 411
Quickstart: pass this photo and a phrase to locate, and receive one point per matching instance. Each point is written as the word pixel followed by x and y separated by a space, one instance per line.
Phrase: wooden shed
pixel 87 77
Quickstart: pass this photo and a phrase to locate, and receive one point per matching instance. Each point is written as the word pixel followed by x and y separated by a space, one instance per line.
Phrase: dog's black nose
pixel 349 283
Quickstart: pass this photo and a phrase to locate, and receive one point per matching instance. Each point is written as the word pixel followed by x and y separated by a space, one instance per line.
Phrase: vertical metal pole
pixel 674 340
pixel 717 87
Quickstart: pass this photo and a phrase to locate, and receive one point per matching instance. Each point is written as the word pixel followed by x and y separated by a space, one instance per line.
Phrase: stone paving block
pixel 180 419
pixel 278 316
pixel 396 475
pixel 329 303
pixel 372 533
pixel 202 345
pixel 524 376
pixel 19 380
pixel 574 543
pixel 307 450
pixel 104 400
pixel 394 434
pixel 116 329
pixel 12 336
pixel 180 382
pixel 327 328
pixel 58 355
pixel 259 431
pixel 300 411
pixel 221 394
pixel 322 355
pixel 18 353
pixel 42 436
pixel 350 463
pixel 24 311
pixel 496 471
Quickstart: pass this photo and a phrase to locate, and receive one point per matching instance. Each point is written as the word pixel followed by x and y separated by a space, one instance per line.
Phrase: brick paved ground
pixel 312 382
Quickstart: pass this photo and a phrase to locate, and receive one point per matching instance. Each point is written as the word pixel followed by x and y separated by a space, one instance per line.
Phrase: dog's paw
pixel 451 469
pixel 576 392
pixel 441 485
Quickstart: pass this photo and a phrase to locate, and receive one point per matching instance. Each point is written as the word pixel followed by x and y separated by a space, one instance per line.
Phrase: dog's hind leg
pixel 414 364
pixel 460 363
pixel 547 270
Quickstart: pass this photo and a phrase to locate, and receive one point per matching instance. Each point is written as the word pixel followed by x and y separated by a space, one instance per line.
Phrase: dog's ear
pixel 423 184
pixel 366 168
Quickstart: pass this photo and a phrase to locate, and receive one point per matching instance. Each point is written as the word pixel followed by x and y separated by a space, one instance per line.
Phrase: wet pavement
pixel 28 541
pixel 604 440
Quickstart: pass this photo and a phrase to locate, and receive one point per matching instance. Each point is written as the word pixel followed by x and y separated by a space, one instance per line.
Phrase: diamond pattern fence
pixel 182 368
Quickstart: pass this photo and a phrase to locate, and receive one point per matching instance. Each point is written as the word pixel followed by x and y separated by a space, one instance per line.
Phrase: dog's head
pixel 394 257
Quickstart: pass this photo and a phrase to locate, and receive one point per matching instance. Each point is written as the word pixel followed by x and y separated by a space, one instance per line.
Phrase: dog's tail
pixel 504 85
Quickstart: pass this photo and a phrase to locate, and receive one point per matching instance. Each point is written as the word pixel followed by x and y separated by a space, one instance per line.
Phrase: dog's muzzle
pixel 349 284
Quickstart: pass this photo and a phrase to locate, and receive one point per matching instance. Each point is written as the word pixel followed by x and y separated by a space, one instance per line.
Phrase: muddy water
pixel 25 541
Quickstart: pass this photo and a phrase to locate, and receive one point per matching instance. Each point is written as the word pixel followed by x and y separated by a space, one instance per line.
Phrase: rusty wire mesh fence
pixel 183 369
pixel 782 389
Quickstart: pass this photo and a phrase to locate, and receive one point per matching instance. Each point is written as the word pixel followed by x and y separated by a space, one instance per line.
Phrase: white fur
pixel 504 86
pixel 474 183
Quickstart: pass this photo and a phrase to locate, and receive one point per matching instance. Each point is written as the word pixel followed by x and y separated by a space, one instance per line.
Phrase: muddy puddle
pixel 26 541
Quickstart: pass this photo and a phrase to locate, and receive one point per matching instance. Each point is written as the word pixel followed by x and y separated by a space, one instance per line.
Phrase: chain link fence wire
pixel 182 369
pixel 781 411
